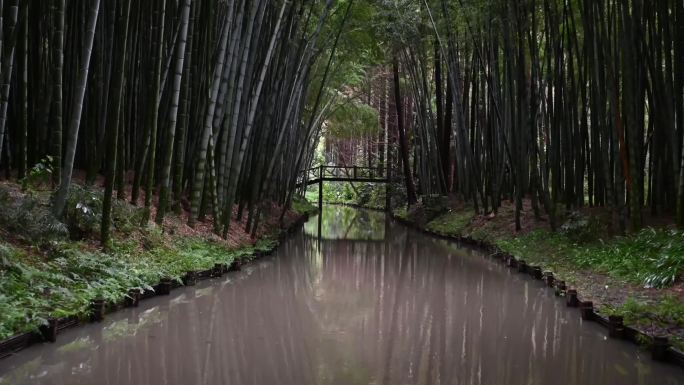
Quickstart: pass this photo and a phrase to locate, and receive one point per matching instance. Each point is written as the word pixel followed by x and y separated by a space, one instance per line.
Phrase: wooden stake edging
pixel 234 266
pixel 616 327
pixel 190 278
pixel 98 310
pixel 537 272
pixel 571 298
pixel 133 298
pixel 659 350
pixel 560 288
pixel 587 310
pixel 164 287
pixel 49 331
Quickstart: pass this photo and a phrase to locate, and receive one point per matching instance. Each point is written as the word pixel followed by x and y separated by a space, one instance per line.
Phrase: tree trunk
pixel 403 142
pixel 171 133
pixel 77 108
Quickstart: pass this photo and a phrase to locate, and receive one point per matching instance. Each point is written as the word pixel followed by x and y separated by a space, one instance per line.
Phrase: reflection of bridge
pixel 318 175
pixel 356 240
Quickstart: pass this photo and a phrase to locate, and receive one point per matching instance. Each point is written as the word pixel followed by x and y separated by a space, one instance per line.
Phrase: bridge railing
pixel 347 172
pixel 338 173
pixel 351 172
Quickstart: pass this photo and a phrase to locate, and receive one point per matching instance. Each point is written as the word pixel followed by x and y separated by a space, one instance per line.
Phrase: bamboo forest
pixel 341 192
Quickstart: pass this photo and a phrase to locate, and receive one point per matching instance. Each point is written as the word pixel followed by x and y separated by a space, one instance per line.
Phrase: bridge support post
pixel 320 204
pixel 320 187
pixel 388 186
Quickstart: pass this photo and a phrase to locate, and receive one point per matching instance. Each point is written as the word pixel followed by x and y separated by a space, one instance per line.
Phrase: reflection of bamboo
pixel 437 354
pixel 134 356
pixel 176 334
pixel 231 313
pixel 193 326
pixel 223 332
pixel 379 282
pixel 162 345
pixel 298 333
pixel 231 361
pixel 398 288
pixel 210 334
pixel 422 320
pixel 396 305
pixel 269 323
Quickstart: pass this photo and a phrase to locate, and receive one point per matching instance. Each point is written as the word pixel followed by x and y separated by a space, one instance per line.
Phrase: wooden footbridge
pixel 318 175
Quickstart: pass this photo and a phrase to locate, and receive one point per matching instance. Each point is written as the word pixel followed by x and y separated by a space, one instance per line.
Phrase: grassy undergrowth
pixel 33 288
pixel 452 223
pixel 664 313
pixel 665 316
pixel 651 257
pixel 54 271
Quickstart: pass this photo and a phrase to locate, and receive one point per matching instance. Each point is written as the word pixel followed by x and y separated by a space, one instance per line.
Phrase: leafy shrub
pixel 38 176
pixel 579 227
pixel 23 294
pixel 365 194
pixel 83 213
pixel 667 269
pixel 29 219
pixel 126 217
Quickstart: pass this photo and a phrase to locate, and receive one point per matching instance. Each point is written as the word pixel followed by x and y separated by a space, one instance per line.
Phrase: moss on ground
pixel 453 223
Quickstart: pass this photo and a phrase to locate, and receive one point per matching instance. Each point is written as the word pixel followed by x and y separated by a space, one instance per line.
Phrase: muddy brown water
pixel 370 302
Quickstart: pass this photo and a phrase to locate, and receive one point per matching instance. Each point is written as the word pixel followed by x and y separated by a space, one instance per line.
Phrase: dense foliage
pixel 654 258
pixel 567 104
pixel 205 106
pixel 53 270
pixel 32 289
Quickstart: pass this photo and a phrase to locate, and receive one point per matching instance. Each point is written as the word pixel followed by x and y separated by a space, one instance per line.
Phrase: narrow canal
pixel 369 302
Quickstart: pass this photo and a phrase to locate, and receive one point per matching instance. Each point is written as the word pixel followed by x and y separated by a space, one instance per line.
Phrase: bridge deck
pixel 343 179
pixel 318 175
pixel 341 174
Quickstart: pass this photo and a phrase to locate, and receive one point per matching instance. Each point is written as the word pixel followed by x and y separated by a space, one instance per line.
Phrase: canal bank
pixel 54 275
pixel 365 301
pixel 652 316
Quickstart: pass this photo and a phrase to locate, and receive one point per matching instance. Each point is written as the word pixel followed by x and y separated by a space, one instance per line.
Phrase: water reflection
pixel 342 222
pixel 405 310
